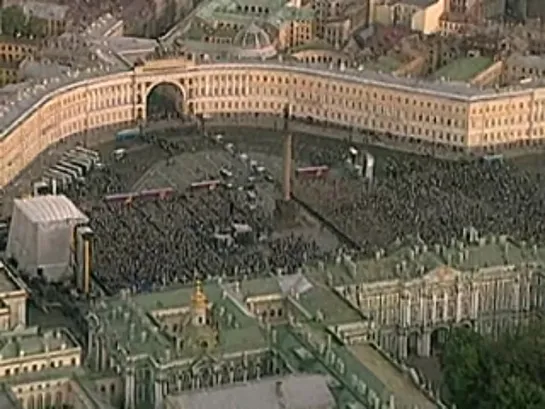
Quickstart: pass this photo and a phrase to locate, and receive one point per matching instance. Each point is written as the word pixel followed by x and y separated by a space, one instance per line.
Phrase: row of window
pixel 36 368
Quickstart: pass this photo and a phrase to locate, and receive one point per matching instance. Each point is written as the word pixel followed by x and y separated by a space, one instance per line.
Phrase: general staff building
pixel 456 115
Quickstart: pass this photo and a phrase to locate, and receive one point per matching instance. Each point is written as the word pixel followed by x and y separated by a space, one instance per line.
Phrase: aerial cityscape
pixel 272 204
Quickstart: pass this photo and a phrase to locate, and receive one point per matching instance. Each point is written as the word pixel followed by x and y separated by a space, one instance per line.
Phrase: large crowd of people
pixel 190 235
pixel 431 199
pixel 154 242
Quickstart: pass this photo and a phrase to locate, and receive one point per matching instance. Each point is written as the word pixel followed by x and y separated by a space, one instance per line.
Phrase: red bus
pixel 312 171
pixel 205 185
pixel 120 198
pixel 156 193
pixel 144 194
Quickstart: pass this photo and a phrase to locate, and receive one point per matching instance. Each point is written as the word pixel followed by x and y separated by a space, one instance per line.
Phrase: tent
pixel 41 234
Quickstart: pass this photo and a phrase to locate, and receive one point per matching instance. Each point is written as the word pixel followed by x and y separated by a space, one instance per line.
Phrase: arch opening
pixel 164 101
pixel 438 338
pixel 412 344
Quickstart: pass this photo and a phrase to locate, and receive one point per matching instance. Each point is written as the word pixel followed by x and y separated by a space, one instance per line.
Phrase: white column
pixel 527 293
pixel 516 295
pixel 459 304
pixel 129 388
pixel 90 341
pixel 405 310
pixel 158 395
pixel 474 311
pixel 422 310
pixel 434 308
pixel 446 300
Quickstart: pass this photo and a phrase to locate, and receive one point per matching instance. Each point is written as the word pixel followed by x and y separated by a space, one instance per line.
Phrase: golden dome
pixel 199 299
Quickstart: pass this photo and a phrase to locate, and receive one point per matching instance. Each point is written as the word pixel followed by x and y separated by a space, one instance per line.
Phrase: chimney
pixel 287 156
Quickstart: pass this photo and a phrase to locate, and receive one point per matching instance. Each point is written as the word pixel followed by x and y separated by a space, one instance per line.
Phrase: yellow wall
pixel 427 20
pixel 439 115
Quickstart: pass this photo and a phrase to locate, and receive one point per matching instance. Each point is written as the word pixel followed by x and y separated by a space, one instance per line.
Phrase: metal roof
pixel 49 208
pixel 294 392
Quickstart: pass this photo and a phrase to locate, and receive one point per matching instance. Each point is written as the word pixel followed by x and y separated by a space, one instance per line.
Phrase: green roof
pixel 409 262
pixel 334 309
pixel 130 323
pixel 34 341
pixel 463 69
pixel 384 63
pixel 392 379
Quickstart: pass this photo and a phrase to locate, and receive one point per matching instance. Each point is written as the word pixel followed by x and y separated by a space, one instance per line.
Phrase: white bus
pixel 94 155
pixel 63 180
pixel 71 166
pixel 72 174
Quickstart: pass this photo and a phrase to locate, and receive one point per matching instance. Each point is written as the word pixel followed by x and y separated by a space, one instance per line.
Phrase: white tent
pixel 41 233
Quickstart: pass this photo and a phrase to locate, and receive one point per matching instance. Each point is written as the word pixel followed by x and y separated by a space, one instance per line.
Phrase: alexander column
pixel 286 212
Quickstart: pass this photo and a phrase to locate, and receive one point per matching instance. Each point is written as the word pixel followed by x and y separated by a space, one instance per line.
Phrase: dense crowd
pixel 188 236
pixel 433 199
pixel 193 234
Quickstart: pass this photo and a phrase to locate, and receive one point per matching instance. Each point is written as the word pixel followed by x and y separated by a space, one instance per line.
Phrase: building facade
pixel 402 303
pixel 454 115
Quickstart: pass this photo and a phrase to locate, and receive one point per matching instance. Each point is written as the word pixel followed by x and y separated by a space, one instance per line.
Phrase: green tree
pixel 35 27
pixel 504 374
pixel 14 21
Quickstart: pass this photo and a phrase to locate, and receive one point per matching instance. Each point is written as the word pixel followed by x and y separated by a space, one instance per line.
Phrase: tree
pixel 485 374
pixel 14 21
pixel 36 27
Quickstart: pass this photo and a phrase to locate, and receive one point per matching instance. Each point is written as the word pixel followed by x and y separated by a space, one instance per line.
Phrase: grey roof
pixel 49 208
pixel 46 11
pixel 41 70
pixel 12 114
pixel 102 27
pixel 294 392
pixel 129 45
pixel 294 282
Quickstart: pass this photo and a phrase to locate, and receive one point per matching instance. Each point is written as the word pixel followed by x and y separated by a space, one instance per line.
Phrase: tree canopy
pixel 16 24
pixel 504 374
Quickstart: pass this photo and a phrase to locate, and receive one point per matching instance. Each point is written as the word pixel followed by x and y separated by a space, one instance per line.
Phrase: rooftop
pixel 134 322
pixel 403 388
pixel 384 63
pixel 49 208
pixel 293 391
pixel 46 11
pixel 463 69
pixel 406 262
pixel 334 310
pixel 13 113
pixel 34 341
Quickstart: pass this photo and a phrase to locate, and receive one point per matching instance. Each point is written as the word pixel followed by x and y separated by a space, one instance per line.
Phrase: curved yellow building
pixel 452 114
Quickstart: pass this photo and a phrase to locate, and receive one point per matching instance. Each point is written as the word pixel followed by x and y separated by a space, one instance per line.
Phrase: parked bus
pixel 80 159
pixel 63 180
pixel 127 134
pixel 120 198
pixel 94 155
pixel 205 185
pixel 67 171
pixel 163 193
pixel 83 163
pixel 71 166
pixel 312 171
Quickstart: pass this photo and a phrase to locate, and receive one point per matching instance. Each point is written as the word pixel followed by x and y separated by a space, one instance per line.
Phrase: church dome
pixel 252 37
